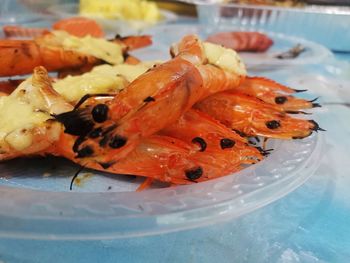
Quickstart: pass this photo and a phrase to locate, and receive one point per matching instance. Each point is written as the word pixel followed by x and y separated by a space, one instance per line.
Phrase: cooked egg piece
pixel 102 79
pixel 97 47
pixel 225 58
pixel 141 10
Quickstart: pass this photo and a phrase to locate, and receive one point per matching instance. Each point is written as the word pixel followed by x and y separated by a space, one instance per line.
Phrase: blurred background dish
pixel 322 24
pixel 329 2
pixel 111 25
pixel 287 3
pixel 19 12
pixel 165 35
pixel 127 10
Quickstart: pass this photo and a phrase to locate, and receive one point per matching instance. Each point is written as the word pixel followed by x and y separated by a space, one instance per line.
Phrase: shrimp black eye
pixel 100 113
pixel 95 133
pixel 201 142
pixel 227 143
pixel 280 99
pixel 149 99
pixel 194 174
pixel 85 152
pixel 117 142
pixel 273 124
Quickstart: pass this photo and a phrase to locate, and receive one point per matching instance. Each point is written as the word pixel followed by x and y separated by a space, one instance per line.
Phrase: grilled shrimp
pixel 253 117
pixel 160 157
pixel 58 50
pixel 164 93
pixel 242 41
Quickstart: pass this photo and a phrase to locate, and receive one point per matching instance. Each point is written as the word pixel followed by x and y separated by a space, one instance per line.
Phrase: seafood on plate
pixel 242 41
pixel 79 27
pixel 158 156
pixel 160 125
pixel 76 26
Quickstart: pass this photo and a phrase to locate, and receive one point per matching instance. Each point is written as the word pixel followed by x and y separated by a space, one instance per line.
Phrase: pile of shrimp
pixel 185 120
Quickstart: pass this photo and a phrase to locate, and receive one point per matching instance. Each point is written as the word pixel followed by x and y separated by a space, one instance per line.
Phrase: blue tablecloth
pixel 311 224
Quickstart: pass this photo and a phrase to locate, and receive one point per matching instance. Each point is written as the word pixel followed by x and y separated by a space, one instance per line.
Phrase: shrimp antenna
pixel 315 105
pixel 316 127
pixel 314 99
pixel 300 112
pixel 75 177
pixel 299 90
pixel 264 152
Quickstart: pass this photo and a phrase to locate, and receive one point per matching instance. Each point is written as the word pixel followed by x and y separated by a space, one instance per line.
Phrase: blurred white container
pixel 111 26
pixel 327 25
pixel 20 12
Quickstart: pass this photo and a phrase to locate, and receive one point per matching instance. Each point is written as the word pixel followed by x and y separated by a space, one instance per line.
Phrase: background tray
pixel 323 24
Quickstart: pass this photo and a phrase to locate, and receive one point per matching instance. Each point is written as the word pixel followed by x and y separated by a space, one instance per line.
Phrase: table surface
pixel 311 224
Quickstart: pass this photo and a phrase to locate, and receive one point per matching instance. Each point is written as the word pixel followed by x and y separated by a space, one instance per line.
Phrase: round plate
pixel 36 202
pixel 111 26
pixel 313 54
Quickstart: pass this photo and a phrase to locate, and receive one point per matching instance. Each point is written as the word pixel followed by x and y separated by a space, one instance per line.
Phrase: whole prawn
pixel 22 56
pixel 254 117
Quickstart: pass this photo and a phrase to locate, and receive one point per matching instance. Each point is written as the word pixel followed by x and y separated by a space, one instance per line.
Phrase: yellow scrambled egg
pixel 121 9
pixel 97 47
pixel 102 79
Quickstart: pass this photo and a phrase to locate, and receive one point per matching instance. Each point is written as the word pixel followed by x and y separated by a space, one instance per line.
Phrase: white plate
pixel 166 35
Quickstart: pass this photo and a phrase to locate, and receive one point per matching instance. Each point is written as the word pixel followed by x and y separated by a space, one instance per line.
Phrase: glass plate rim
pixel 143 223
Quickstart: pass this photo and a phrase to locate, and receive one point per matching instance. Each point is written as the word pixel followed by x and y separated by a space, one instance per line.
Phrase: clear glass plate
pixel 35 205
pixel 36 202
